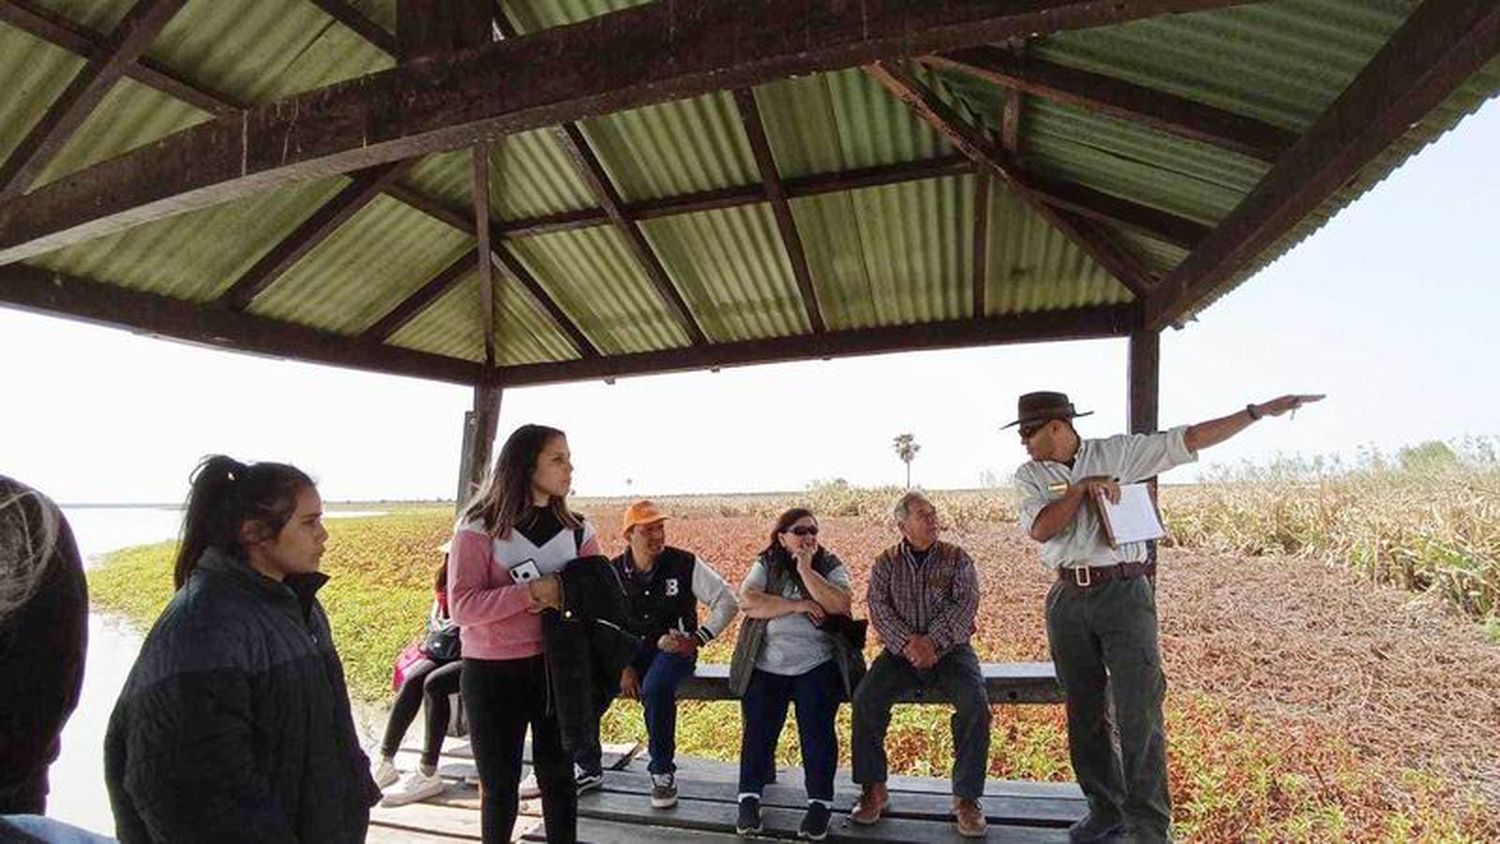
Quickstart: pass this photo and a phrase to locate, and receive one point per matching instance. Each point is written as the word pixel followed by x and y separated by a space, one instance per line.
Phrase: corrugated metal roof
pixel 363 270
pixel 594 278
pixel 890 255
pixel 453 326
pixel 1033 266
pixel 733 270
pixel 194 256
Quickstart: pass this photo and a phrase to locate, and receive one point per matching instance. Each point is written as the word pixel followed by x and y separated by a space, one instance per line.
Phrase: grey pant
pixel 1104 643
pixel 957 674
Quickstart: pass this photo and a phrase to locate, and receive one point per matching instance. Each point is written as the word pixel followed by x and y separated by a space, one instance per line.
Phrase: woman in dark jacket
pixel 44 608
pixel 234 724
pixel 784 656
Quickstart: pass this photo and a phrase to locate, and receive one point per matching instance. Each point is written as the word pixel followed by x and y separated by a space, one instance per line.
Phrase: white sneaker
pixel 416 787
pixel 529 789
pixel 385 773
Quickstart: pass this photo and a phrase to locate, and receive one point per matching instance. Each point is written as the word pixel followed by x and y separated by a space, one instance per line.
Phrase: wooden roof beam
pixel 47 292
pixel 577 148
pixel 61 32
pixel 981 244
pixel 113 57
pixel 970 140
pixel 781 208
pixel 634 57
pixel 1044 326
pixel 488 298
pixel 1441 45
pixel 1120 99
pixel 314 230
pixel 346 14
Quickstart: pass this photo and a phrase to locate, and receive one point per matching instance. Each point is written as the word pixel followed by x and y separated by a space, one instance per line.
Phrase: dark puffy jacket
pixel 234 724
pixel 587 646
pixel 42 643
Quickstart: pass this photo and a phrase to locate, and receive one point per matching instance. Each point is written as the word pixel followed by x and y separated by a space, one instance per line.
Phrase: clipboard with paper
pixel 1133 519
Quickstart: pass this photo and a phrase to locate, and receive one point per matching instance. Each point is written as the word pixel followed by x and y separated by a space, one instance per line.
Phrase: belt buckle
pixel 1082 577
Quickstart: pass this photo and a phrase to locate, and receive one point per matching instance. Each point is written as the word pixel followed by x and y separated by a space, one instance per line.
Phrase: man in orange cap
pixel 663 587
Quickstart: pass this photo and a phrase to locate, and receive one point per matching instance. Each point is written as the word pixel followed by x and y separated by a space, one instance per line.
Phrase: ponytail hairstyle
pixel 225 494
pixel 505 498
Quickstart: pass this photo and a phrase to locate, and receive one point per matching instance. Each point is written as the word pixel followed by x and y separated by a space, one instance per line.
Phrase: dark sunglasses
pixel 803 530
pixel 1029 431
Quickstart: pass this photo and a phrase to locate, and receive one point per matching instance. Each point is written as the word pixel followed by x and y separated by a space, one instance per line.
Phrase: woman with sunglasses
pixel 783 657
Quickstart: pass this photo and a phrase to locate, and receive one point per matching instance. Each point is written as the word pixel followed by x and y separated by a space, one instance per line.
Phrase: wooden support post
pixel 480 425
pixel 1145 380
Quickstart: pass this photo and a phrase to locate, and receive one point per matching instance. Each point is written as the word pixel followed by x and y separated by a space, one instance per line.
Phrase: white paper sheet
pixel 1133 519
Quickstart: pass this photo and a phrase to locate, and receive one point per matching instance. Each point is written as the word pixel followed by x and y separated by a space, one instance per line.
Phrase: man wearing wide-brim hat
pixel 1101 612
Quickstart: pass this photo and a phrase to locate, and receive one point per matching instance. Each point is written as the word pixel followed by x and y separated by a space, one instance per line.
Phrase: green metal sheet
pixel 1033 267
pixel 453 326
pixel 891 255
pixel 733 270
pixel 1157 256
pixel 828 122
pixel 530 176
pixel 35 73
pixel 263 50
pixel 450 326
pixel 130 115
pixel 97 15
pixel 595 279
pixel 674 148
pixel 364 269
pixel 194 256
pixel 532 15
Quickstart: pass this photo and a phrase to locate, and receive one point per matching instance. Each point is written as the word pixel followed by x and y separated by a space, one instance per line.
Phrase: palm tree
pixel 906 449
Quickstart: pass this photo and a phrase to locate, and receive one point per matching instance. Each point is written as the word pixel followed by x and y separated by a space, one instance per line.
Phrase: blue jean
pixel 659 699
pixel 763 709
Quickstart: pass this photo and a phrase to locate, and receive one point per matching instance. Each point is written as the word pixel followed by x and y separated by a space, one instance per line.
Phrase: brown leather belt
pixel 1086 577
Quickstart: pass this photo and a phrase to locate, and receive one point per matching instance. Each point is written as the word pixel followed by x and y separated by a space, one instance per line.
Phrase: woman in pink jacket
pixel 515 536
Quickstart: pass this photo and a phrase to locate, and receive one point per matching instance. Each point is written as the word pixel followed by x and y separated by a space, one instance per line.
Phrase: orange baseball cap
pixel 642 512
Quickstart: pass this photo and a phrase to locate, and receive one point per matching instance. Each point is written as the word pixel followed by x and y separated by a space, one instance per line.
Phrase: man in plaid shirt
pixel 924 594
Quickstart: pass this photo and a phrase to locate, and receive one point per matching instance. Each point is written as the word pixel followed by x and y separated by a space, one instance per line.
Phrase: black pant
pixel 428 682
pixel 763 711
pixel 503 697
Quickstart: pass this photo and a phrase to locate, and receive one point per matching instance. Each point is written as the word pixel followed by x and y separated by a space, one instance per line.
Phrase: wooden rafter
pixel 488 296
pixel 971 141
pixel 1078 324
pixel 608 63
pixel 114 56
pixel 592 172
pixel 61 32
pixel 418 301
pixel 346 14
pixel 1441 45
pixel 1117 98
pixel 1010 122
pixel 781 208
pixel 332 214
pixel 43 291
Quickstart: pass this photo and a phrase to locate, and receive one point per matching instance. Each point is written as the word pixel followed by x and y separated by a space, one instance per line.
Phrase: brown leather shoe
pixel 969 818
pixel 873 798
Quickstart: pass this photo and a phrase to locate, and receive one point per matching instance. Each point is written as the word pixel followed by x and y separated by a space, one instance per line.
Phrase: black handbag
pixel 442 644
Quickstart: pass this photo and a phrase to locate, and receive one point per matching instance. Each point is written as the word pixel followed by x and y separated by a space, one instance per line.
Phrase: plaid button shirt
pixel 938 597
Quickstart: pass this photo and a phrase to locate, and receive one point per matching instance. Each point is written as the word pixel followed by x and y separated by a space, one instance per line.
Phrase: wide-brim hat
pixel 641 513
pixel 1044 406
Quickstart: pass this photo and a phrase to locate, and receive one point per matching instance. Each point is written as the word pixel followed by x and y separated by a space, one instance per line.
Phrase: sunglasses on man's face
pixel 1029 431
pixel 803 530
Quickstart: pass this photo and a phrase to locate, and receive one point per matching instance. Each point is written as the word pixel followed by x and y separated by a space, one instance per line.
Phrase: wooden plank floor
pixel 620 811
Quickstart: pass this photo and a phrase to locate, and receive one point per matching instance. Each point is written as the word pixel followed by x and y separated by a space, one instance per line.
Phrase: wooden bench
pixel 1004 682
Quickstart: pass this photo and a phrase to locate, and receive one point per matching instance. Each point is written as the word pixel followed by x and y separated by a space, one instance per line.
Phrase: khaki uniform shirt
pixel 1128 457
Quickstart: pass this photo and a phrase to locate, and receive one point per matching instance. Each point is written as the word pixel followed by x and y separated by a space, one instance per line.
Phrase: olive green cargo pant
pixel 1104 643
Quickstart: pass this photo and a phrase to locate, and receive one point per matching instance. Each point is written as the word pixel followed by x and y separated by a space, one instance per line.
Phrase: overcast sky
pixel 1393 310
